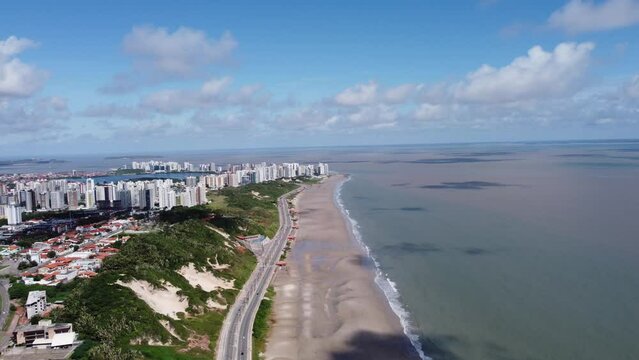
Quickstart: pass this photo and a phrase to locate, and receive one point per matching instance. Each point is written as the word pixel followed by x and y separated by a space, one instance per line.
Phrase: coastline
pixel 329 303
pixel 386 285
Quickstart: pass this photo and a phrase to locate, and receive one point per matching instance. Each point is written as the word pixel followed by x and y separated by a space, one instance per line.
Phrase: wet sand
pixel 327 304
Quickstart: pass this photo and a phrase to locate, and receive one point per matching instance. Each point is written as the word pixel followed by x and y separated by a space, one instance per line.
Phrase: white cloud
pixel 212 123
pixel 632 88
pixel 159 55
pixel 18 79
pixel 314 117
pixel 171 101
pixel 429 112
pixel 116 111
pixel 401 93
pixel 215 87
pixel 584 16
pixel 181 52
pixel 539 74
pixel 375 117
pixel 14 45
pixel 360 94
pixel 213 93
pixel 31 117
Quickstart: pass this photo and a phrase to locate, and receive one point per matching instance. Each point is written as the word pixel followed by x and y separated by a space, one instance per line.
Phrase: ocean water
pixel 519 251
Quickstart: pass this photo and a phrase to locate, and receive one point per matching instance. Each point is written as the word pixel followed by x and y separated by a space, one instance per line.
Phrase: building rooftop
pixel 34 296
pixel 63 339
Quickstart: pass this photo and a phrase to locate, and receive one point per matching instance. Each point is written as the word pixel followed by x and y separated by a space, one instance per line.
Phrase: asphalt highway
pixel 4 297
pixel 235 342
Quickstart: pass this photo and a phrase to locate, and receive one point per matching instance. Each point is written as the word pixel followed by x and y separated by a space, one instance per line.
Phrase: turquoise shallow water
pixel 534 256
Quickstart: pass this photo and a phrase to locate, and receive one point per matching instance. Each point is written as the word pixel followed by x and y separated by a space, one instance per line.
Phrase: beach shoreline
pixel 328 304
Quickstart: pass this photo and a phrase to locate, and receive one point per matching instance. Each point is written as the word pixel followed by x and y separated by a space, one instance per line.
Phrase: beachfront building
pixel 12 213
pixel 45 335
pixel 36 303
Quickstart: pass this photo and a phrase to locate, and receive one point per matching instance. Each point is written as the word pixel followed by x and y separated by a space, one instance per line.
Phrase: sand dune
pixel 205 279
pixel 164 301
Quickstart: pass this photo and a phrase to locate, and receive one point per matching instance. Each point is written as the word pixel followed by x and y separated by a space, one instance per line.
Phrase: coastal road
pixel 4 297
pixel 235 342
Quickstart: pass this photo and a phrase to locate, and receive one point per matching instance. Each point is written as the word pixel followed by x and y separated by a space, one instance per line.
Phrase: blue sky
pixel 131 76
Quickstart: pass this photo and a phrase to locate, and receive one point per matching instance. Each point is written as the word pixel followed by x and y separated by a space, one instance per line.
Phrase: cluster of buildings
pixel 154 166
pixel 44 334
pixel 77 253
pixel 63 194
pixel 145 194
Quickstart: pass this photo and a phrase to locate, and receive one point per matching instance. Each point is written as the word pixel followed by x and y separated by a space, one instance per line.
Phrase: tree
pixel 51 254
pixel 76 247
pixel 35 319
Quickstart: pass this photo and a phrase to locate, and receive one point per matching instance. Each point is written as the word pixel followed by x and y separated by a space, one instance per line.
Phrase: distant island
pixel 31 161
pixel 124 157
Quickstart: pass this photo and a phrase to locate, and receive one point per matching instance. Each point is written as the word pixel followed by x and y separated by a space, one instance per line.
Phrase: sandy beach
pixel 327 304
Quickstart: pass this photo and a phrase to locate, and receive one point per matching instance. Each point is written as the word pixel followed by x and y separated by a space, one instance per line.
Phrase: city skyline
pixel 146 77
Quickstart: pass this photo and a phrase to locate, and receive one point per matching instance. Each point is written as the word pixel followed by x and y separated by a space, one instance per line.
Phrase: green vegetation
pixel 46 215
pixel 116 324
pixel 115 319
pixel 26 264
pixel 168 353
pixel 26 240
pixel 261 324
pixel 250 209
pixel 82 217
pixel 20 291
pixel 180 214
pixel 310 180
pixel 4 222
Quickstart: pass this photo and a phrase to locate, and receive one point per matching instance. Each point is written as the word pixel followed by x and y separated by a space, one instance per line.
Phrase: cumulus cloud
pixel 178 53
pixel 213 123
pixel 375 117
pixel 429 112
pixel 632 88
pixel 213 93
pixel 371 93
pixel 159 55
pixel 106 111
pixel 539 74
pixel 28 117
pixel 584 16
pixel 14 45
pixel 401 93
pixel 18 79
pixel 313 117
pixel 360 94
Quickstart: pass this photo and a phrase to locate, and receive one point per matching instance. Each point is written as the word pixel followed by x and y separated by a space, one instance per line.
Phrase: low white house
pixel 36 303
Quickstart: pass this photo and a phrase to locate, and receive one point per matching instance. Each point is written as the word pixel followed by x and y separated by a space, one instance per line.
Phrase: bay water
pixel 506 251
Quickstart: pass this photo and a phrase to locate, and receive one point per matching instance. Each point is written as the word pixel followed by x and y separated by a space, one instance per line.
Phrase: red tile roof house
pixel 86 274
pixel 89 247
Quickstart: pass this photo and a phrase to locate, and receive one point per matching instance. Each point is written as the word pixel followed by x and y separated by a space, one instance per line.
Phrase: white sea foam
pixel 388 287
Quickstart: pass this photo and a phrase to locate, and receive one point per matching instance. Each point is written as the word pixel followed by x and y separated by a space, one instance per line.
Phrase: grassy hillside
pixel 121 324
pixel 250 209
pixel 116 324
